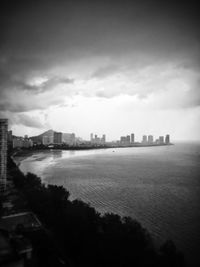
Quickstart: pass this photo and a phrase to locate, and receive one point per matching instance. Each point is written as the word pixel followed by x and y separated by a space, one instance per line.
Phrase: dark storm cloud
pixel 43 31
pixel 38 35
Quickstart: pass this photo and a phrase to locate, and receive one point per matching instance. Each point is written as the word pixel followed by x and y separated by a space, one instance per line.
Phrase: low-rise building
pixel 20 142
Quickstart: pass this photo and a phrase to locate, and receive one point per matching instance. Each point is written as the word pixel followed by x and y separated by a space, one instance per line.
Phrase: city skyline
pixel 63 137
pixel 101 66
pixel 133 136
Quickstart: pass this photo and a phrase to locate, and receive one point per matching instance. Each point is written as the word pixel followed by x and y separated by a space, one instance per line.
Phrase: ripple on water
pixel 160 187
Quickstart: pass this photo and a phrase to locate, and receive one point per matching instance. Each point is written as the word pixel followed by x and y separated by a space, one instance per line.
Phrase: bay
pixel 158 186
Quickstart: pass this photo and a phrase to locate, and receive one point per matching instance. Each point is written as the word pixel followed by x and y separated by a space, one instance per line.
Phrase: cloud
pixel 28 121
pixel 105 71
pixel 22 120
pixel 52 52
pixel 21 96
pixel 41 84
pixel 170 86
pixel 22 101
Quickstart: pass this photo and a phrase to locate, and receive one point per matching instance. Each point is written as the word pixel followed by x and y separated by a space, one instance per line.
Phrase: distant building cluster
pixel 94 139
pixel 127 140
pixel 161 140
pixel 69 139
pixel 21 142
pixel 51 138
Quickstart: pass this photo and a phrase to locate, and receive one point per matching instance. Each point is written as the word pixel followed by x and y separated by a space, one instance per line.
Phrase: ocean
pixel 158 186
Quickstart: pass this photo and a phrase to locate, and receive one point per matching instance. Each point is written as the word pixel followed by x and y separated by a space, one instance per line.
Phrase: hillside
pixel 39 138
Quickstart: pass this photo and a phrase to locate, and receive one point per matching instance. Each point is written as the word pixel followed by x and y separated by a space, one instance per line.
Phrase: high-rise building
pixel 3 152
pixel 94 139
pixel 57 138
pixel 144 139
pixel 167 139
pixel 91 137
pixel 45 140
pixel 73 138
pixel 103 139
pixel 132 138
pixel 51 139
pixel 10 136
pixel 128 139
pixel 150 139
pixel 125 140
pixel 161 139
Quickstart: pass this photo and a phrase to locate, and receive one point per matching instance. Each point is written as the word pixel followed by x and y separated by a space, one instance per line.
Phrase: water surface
pixel 159 186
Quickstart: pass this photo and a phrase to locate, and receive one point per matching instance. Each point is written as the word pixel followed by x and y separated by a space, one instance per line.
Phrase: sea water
pixel 158 186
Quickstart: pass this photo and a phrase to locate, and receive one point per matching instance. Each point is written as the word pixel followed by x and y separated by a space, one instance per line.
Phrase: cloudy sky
pixel 112 67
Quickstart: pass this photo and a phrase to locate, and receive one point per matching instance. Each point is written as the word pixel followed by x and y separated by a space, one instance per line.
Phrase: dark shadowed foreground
pixel 84 237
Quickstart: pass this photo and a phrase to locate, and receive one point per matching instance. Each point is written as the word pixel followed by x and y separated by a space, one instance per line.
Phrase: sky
pixel 104 67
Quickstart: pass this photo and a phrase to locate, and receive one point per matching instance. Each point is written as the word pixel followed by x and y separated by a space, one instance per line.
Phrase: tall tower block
pixel 132 138
pixel 167 139
pixel 3 152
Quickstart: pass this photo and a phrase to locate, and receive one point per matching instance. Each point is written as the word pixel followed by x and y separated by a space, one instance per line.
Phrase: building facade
pixel 3 152
pixel 69 138
pixel 97 140
pixel 103 139
pixel 47 140
pixel 125 140
pixel 132 138
pixel 19 142
pixel 150 139
pixel 144 139
pixel 161 139
pixel 167 139
pixel 57 138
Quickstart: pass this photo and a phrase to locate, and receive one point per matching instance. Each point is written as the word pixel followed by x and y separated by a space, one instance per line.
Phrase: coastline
pixel 19 155
pixel 185 149
pixel 33 189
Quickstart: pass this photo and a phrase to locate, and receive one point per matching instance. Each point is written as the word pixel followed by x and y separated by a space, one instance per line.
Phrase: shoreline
pixel 25 151
pixel 19 155
pixel 41 153
pixel 30 190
